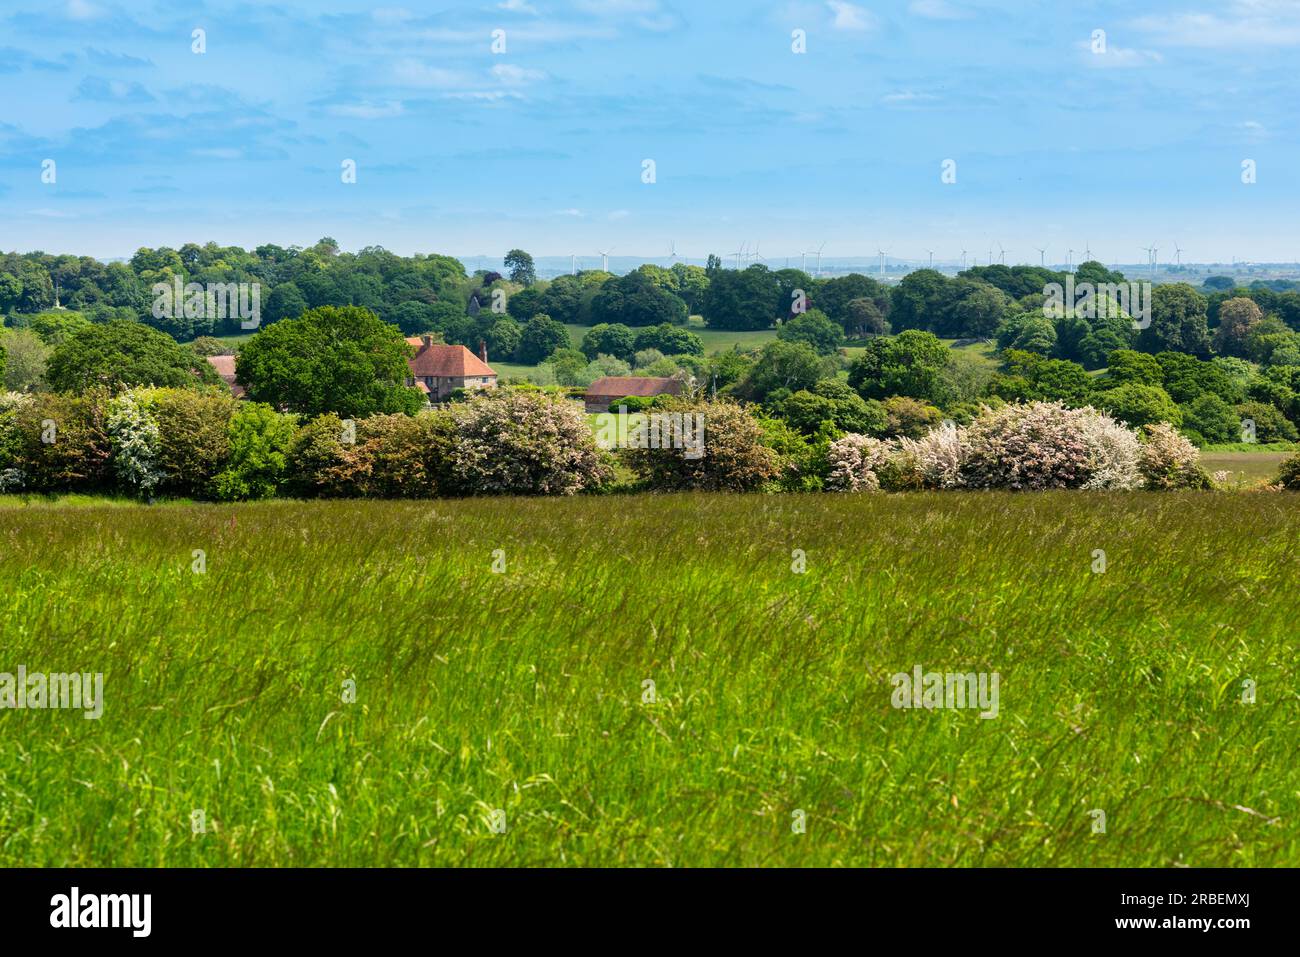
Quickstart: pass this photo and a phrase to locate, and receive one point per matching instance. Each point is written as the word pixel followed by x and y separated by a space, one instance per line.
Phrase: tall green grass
pixel 524 691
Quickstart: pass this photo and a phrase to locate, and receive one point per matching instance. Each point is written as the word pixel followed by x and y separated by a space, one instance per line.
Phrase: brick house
pixel 437 370
pixel 604 391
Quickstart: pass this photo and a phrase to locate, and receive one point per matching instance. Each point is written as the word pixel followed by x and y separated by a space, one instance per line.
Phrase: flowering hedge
pixel 206 445
pixel 1038 445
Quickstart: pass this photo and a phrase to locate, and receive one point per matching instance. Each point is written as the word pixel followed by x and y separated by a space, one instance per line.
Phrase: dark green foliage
pixel 345 360
pixel 122 353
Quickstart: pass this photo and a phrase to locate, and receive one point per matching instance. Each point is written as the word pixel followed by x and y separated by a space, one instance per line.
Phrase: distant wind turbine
pixel 604 258
pixel 819 258
pixel 1042 253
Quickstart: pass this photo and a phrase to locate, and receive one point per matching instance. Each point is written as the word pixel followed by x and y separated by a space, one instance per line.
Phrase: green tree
pixel 1138 405
pixel 670 340
pixel 1178 321
pixel 637 300
pixel 782 365
pixel 121 353
pixel 609 339
pixel 260 439
pixel 1212 419
pixel 815 328
pixel 1236 318
pixel 911 363
pixel 521 267
pixel 920 300
pixel 742 299
pixel 285 302
pixel 26 358
pixel 332 359
pixel 503 337
pixel 541 336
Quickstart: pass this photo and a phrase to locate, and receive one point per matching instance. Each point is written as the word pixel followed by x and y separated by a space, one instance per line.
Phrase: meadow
pixel 501 650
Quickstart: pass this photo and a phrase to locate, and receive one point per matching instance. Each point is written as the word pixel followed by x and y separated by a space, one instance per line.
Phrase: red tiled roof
pixel 225 366
pixel 618 386
pixel 436 359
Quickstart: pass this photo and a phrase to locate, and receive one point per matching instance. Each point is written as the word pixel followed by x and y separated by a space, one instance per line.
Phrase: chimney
pixel 482 350
pixel 427 340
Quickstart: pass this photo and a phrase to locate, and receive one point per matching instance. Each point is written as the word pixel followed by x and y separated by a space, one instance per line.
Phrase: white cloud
pixel 619 214
pixel 512 75
pixel 1117 57
pixel 1246 24
pixel 849 16
pixel 418 73
pixel 82 10
pixel 518 6
pixel 368 111
pixel 908 96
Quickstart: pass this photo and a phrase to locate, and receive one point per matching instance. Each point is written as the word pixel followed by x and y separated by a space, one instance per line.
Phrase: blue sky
pixel 465 151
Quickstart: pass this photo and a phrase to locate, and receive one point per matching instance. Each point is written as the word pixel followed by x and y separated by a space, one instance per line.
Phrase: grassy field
pixel 525 691
pixel 1245 469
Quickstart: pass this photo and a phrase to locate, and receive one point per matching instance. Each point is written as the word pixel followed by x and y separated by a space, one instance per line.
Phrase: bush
pixel 734 457
pixel 63 442
pixel 801 459
pixel 1046 445
pixel 315 451
pixel 11 440
pixel 934 460
pixel 1169 461
pixel 1139 405
pixel 193 437
pixel 259 444
pixel 523 443
pixel 854 462
pixel 133 436
pixel 1270 424
pixel 909 418
pixel 1288 475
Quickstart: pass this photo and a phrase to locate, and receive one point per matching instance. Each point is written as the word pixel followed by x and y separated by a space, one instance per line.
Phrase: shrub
pixel 193 437
pixel 1288 475
pixel 909 418
pixel 133 436
pixel 801 459
pixel 11 440
pixel 315 451
pixel 523 443
pixel 1169 461
pixel 734 457
pixel 259 443
pixel 1270 424
pixel 1046 445
pixel 932 461
pixel 854 462
pixel 63 442
pixel 1138 405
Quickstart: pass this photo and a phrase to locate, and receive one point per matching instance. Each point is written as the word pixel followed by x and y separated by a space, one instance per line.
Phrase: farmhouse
pixel 225 366
pixel 437 370
pixel 604 391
